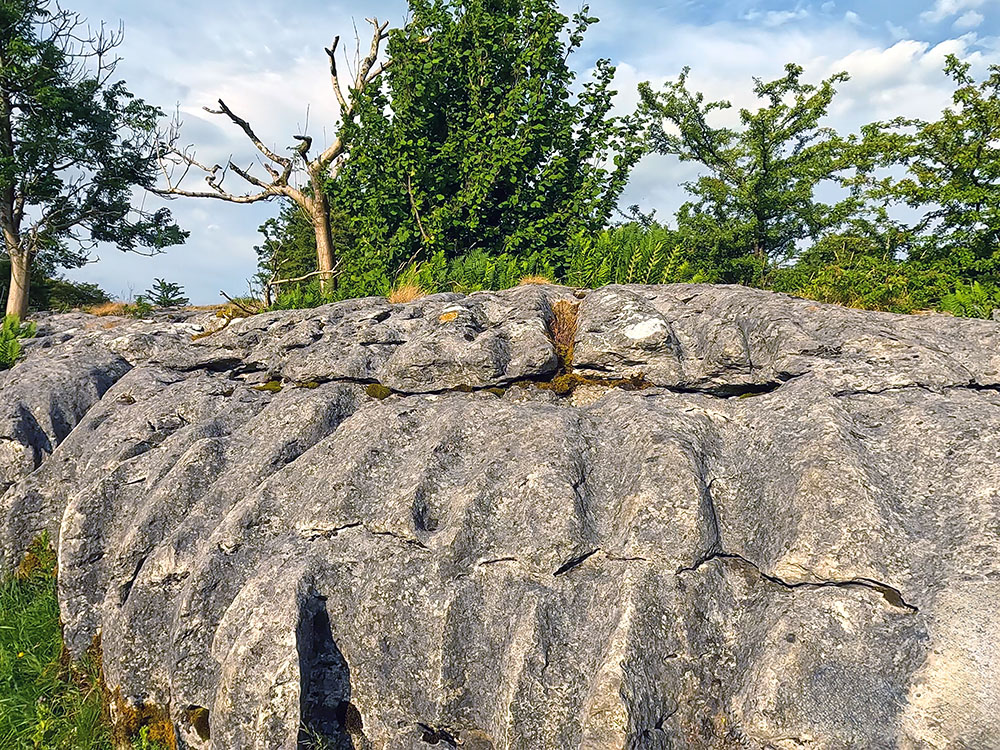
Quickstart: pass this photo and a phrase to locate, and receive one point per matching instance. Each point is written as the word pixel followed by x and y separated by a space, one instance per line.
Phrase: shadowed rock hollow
pixel 783 532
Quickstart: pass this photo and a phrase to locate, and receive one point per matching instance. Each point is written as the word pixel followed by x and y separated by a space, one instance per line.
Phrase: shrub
pixel 629 254
pixel 11 333
pixel 972 300
pixel 166 294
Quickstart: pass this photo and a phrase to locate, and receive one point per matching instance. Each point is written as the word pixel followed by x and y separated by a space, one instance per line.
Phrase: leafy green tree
pixel 49 290
pixel 756 200
pixel 73 145
pixel 950 177
pixel 166 294
pixel 477 143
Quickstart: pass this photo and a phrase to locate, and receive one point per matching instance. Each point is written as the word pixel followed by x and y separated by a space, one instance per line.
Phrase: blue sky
pixel 266 60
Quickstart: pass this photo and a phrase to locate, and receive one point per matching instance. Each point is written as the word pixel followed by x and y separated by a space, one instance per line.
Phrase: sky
pixel 266 59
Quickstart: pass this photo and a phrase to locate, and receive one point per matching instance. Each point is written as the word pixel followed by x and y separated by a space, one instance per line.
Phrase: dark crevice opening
pixel 892 595
pixel 567 566
pixel 328 718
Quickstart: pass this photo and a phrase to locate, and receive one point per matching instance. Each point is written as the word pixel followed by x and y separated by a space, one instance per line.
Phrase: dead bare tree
pixel 176 162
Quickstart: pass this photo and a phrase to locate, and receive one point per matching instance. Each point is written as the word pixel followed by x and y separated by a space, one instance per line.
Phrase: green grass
pixel 45 702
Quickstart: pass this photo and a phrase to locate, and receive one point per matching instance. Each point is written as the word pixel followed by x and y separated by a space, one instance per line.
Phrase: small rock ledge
pixel 699 517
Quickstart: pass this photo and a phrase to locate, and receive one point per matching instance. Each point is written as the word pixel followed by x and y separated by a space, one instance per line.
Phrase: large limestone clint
pixel 790 538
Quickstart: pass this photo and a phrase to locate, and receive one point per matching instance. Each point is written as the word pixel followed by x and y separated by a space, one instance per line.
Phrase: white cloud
pixel 943 9
pixel 897 32
pixel 773 18
pixel 969 20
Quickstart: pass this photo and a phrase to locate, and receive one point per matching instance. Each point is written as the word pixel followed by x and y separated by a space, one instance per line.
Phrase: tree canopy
pixel 756 199
pixel 74 145
pixel 480 142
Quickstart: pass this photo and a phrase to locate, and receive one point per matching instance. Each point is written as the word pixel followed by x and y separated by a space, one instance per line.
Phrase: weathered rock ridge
pixel 783 532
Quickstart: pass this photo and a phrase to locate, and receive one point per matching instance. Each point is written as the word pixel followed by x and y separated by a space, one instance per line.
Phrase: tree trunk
pixel 320 215
pixel 20 281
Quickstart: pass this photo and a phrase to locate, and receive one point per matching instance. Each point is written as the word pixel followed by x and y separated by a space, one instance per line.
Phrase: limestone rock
pixel 787 539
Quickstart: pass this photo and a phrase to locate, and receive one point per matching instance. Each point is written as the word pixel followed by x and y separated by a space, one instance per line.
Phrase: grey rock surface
pixel 784 532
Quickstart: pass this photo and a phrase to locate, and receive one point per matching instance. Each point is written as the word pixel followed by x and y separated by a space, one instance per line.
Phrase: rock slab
pixel 378 526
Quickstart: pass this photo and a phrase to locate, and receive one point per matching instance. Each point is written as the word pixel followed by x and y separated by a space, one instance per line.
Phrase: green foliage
pixel 288 251
pixel 630 254
pixel 140 307
pixel 11 333
pixel 478 146
pixel 145 742
pixel 950 177
pixel 165 294
pixel 78 143
pixel 44 704
pixel 49 291
pixel 63 295
pixel 756 200
pixel 301 296
pixel 972 301
pixel 474 166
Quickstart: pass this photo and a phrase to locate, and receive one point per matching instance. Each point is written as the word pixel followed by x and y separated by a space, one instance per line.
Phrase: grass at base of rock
pixel 46 702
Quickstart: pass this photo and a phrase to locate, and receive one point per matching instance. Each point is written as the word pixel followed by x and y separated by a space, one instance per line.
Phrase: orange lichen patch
pixel 448 317
pixel 562 328
pixel 127 721
pixel 406 293
pixel 106 308
pixel 529 280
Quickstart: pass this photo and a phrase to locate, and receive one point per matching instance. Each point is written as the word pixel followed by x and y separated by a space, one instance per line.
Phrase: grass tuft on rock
pixel 562 329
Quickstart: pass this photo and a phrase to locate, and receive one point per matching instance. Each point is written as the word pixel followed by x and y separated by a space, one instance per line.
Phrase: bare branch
pixel 331 52
pixel 238 304
pixel 171 158
pixel 366 74
pixel 305 143
pixel 245 127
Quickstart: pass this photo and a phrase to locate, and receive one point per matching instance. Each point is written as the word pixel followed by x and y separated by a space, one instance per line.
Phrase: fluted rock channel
pixel 745 520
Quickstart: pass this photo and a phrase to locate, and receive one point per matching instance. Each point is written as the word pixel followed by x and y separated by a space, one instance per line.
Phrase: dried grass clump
pixel 562 328
pixel 529 280
pixel 107 308
pixel 406 293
